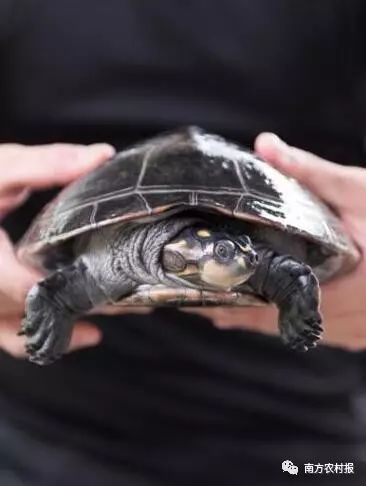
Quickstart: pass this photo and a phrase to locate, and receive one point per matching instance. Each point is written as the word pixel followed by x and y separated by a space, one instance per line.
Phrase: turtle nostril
pixel 253 258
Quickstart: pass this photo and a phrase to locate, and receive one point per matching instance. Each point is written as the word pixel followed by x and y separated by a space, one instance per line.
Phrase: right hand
pixel 23 169
pixel 343 302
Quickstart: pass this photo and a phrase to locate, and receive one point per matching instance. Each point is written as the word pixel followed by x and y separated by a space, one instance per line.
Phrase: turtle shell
pixel 186 169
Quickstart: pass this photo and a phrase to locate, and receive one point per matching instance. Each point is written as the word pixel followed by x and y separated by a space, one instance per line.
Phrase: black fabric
pixel 169 398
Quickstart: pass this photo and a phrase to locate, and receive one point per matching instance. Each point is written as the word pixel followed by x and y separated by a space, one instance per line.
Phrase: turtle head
pixel 210 258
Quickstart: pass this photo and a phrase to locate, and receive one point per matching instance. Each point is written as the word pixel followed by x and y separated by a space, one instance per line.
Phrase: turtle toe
pixel 47 329
pixel 301 333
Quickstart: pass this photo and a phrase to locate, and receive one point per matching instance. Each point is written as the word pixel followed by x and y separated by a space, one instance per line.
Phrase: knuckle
pixel 356 177
pixel 350 184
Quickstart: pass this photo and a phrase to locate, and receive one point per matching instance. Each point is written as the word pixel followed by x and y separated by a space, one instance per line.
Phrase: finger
pixel 326 179
pixel 9 307
pixel 84 335
pixel 12 199
pixel 346 342
pixel 259 319
pixel 351 337
pixel 13 196
pixel 10 342
pixel 120 310
pixel 15 278
pixel 48 165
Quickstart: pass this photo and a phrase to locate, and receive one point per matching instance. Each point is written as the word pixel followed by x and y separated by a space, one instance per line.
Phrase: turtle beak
pixel 250 257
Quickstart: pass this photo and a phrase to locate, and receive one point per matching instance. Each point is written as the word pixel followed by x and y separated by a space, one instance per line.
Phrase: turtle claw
pixel 298 334
pixel 300 319
pixel 46 327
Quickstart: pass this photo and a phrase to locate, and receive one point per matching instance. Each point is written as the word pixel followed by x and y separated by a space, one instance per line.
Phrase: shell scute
pixel 188 168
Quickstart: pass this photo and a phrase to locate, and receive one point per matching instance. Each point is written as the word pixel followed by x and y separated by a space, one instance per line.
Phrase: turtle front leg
pixel 294 288
pixel 51 308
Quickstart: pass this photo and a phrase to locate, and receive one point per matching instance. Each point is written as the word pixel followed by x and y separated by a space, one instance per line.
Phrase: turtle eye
pixel 224 251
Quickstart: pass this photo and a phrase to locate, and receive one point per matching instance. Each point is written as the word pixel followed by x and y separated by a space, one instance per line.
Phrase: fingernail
pixel 270 144
pixel 105 148
pixel 285 152
pixel 269 137
pixel 278 141
pixel 90 156
pixel 275 137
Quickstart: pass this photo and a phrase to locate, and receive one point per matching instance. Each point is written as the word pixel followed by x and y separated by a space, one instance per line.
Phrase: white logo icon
pixel 289 467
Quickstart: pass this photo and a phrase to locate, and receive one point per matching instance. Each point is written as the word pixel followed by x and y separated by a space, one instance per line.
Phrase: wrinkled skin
pixel 343 302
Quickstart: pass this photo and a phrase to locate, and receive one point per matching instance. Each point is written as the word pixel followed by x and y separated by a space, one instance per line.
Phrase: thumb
pixel 84 335
pixel 329 181
pixel 45 166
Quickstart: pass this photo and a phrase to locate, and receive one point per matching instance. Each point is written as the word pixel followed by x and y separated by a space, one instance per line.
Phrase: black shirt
pixel 171 396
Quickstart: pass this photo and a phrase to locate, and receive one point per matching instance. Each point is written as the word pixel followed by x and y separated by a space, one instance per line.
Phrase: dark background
pixel 171 398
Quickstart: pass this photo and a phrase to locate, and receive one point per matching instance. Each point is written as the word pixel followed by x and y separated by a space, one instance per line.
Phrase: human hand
pixel 23 169
pixel 343 302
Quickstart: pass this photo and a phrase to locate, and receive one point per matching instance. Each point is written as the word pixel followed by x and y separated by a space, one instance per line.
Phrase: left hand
pixel 23 169
pixel 343 302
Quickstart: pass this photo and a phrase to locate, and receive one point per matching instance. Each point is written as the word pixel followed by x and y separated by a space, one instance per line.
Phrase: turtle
pixel 183 218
